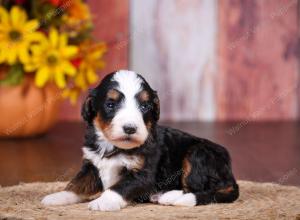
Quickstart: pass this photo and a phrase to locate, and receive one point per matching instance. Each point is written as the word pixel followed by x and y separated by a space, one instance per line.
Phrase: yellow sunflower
pixel 51 60
pixel 16 35
pixel 90 63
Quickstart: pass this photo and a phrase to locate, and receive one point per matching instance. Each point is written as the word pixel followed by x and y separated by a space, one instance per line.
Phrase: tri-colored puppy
pixel 130 158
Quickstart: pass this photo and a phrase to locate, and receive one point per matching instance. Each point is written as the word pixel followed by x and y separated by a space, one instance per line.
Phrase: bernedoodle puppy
pixel 129 158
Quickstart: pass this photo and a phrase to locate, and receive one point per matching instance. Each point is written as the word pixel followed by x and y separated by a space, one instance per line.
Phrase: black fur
pixel 164 153
pixel 172 159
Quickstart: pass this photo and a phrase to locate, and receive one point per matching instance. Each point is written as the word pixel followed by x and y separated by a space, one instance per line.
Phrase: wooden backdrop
pixel 219 60
pixel 208 59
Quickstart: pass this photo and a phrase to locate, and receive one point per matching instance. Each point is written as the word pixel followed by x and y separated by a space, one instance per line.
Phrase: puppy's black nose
pixel 129 129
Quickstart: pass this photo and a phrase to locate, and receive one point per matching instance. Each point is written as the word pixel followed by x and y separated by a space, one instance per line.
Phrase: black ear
pixel 156 109
pixel 88 110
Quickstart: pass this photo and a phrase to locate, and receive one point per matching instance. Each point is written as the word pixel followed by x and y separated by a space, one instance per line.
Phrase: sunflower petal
pixel 68 68
pixel 31 26
pixel 2 56
pixel 30 67
pixel 42 76
pixel 91 75
pixel 80 81
pixel 37 49
pixel 69 51
pixel 60 79
pixel 24 54
pixel 37 37
pixel 18 16
pixel 53 37
pixel 73 97
pixel 3 16
pixel 12 56
pixel 63 40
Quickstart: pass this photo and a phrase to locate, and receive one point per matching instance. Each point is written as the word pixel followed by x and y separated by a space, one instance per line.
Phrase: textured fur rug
pixel 257 201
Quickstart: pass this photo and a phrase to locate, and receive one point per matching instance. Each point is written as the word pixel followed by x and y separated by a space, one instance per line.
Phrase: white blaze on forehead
pixel 129 82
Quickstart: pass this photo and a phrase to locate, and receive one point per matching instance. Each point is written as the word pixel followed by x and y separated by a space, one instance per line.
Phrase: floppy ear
pixel 156 109
pixel 88 111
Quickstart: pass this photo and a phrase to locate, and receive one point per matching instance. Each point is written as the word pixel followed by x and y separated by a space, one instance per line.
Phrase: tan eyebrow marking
pixel 113 94
pixel 144 96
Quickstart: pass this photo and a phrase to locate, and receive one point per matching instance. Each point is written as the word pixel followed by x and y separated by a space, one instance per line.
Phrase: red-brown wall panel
pixel 258 60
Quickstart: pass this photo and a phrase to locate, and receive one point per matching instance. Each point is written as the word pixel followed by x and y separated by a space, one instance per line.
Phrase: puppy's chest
pixel 110 168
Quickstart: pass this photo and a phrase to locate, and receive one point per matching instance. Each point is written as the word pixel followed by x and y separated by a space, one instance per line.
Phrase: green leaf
pixel 14 76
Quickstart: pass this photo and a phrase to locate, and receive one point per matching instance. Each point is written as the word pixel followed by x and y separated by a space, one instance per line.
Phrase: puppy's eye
pixel 110 105
pixel 145 107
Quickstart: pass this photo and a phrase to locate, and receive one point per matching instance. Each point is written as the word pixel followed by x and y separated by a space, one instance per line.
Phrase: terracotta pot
pixel 26 110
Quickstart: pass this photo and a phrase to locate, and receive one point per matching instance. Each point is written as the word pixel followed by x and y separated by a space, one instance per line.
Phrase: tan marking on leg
pixel 226 190
pixel 84 185
pixel 186 168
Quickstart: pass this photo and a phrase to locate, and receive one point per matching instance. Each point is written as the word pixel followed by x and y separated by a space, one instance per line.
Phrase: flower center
pixel 52 60
pixel 15 35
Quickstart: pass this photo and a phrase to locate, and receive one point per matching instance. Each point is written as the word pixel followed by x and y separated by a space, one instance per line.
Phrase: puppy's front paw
pixel 61 198
pixel 108 201
pixel 168 198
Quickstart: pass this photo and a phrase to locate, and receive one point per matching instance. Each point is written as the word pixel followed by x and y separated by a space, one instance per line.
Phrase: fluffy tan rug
pixel 257 201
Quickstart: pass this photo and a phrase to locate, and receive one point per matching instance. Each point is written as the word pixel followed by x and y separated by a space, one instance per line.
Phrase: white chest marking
pixel 109 168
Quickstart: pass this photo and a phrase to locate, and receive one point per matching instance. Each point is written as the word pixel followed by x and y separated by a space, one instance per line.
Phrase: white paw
pixel 170 197
pixel 108 201
pixel 155 197
pixel 61 198
pixel 187 199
